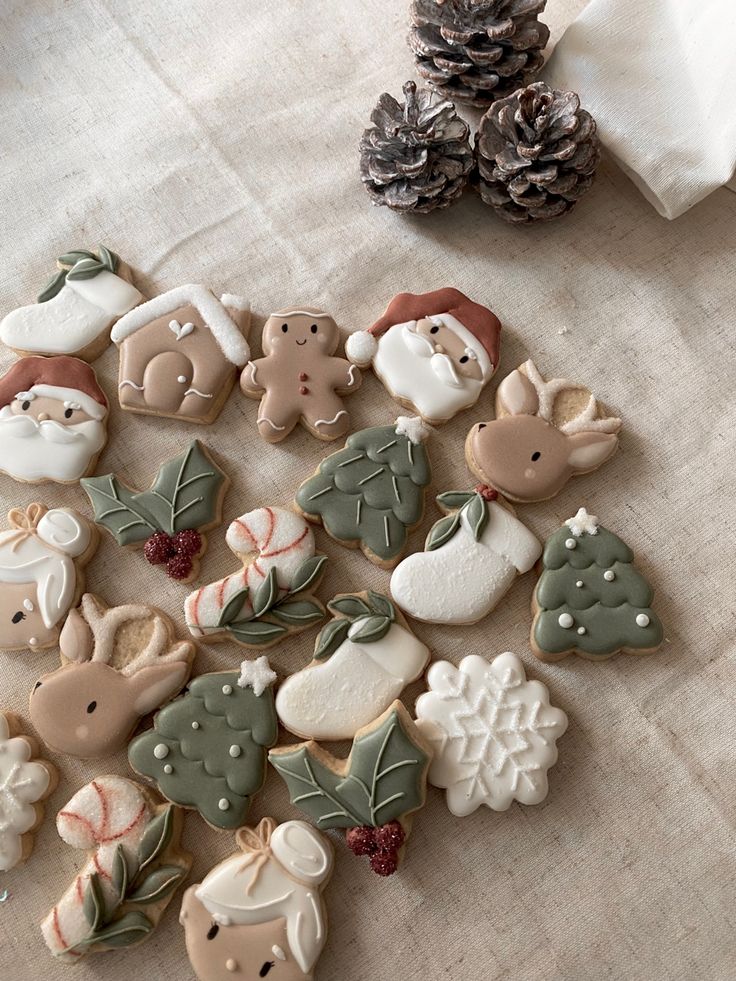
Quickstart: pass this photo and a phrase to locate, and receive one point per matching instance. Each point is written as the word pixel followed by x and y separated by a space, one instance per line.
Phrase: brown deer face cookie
pixel 545 432
pixel 118 664
pixel 299 379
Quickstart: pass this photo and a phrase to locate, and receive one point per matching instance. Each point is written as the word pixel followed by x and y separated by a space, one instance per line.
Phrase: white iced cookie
pixel 363 660
pixel 493 733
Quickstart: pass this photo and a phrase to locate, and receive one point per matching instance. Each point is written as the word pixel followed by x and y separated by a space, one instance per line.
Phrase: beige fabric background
pixel 216 141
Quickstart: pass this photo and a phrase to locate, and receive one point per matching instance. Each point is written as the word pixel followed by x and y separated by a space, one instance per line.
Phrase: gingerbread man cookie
pixel 299 379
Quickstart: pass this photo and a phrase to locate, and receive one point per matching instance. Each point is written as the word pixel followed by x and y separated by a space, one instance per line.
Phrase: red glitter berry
pixel 188 542
pixel 389 837
pixel 361 841
pixel 384 862
pixel 179 566
pixel 159 548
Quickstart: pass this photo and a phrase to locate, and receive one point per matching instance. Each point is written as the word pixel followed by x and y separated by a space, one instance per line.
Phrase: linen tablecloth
pixel 216 141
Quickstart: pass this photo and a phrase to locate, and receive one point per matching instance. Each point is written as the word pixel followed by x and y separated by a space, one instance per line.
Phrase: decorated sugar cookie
pixel 493 733
pixel 75 311
pixel 273 594
pixel 299 379
pixel 373 793
pixel 170 518
pixel 53 420
pixel 25 783
pixel 42 556
pixel 363 660
pixel 135 865
pixel 544 433
pixel 207 749
pixel 180 353
pixel 370 494
pixel 118 664
pixel 260 913
pixel 590 599
pixel 470 560
pixel 434 352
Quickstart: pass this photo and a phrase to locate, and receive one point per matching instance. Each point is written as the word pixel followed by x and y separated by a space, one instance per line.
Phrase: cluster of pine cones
pixel 536 150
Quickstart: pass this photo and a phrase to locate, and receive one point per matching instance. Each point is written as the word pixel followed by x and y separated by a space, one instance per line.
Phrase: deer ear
pixel 589 450
pixel 155 685
pixel 75 639
pixel 516 395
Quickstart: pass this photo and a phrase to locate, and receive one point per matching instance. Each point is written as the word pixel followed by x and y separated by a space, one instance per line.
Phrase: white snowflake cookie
pixel 493 733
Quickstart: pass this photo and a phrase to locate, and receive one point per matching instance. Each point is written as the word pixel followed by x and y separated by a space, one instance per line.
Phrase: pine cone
pixel 537 154
pixel 475 51
pixel 417 156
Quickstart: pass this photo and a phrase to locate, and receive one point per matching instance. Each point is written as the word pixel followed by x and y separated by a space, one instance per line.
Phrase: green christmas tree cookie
pixel 207 750
pixel 370 494
pixel 590 599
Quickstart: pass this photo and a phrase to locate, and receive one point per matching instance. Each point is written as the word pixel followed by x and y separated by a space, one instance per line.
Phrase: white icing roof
pixel 229 339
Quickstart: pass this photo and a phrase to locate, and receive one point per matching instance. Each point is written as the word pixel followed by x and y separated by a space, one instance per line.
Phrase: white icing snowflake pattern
pixel 492 731
pixel 583 523
pixel 256 675
pixel 23 782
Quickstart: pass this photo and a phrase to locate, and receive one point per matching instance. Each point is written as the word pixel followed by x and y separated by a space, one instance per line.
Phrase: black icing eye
pixel 91 707
pixel 463 359
pixel 213 931
pixel 313 328
pixel 68 413
pixel 17 617
pixel 481 425
pixel 284 327
pixel 26 406
pixel 265 969
pixel 433 330
pixel 535 456
pixel 37 685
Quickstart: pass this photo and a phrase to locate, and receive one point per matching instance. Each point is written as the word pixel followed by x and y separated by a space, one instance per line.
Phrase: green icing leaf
pixel 349 606
pixel 126 930
pixel 53 287
pixel 158 885
pixel 298 613
pixel 70 258
pixel 382 605
pixel 477 515
pixel 93 903
pixel 119 510
pixel 85 269
pixel 442 531
pixel 109 258
pixel 266 594
pixel 330 638
pixel 120 873
pixel 256 632
pixel 452 500
pixel 370 629
pixel 307 573
pixel 156 838
pixel 233 607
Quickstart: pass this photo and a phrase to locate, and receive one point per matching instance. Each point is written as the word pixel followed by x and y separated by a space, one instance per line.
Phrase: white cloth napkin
pixel 659 76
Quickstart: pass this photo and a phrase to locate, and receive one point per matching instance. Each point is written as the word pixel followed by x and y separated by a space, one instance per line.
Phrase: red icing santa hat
pixel 476 325
pixel 66 379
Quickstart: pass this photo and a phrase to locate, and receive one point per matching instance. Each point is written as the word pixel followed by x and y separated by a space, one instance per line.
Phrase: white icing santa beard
pixel 30 450
pixel 411 376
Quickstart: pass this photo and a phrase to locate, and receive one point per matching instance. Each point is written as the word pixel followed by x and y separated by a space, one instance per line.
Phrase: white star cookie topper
pixel 256 675
pixel 583 523
pixel 493 733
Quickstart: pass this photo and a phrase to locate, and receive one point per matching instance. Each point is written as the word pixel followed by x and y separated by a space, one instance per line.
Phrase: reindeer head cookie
pixel 118 664
pixel 544 433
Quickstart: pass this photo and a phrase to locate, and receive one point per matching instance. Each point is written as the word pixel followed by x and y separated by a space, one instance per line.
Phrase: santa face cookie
pixel 544 433
pixel 41 560
pixel 118 664
pixel 273 594
pixel 590 599
pixel 134 866
pixel 373 793
pixel 25 783
pixel 493 733
pixel 180 353
pixel 363 660
pixel 259 913
pixel 74 312
pixel 434 352
pixel 169 519
pixel 370 494
pixel 470 560
pixel 53 420
pixel 207 750
pixel 299 379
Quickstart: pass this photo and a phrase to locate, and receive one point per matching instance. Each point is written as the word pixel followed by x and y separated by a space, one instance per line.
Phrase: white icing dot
pixel 161 751
pixel 231 965
pixel 579 583
pixel 182 379
pixel 28 605
pixel 223 803
pixel 235 751
pixel 227 689
pixel 571 543
pixel 33 641
pixel 278 952
pixel 168 768
pixel 642 620
pixel 565 620
pixel 195 725
pixel 581 630
pixel 609 575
